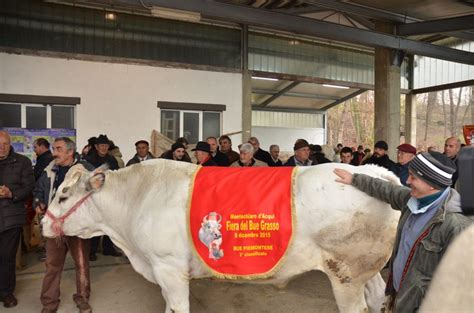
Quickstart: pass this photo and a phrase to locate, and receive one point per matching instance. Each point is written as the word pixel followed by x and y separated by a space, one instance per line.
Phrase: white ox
pixel 339 230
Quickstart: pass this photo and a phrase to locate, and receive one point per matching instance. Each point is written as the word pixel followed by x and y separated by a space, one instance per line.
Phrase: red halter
pixel 57 226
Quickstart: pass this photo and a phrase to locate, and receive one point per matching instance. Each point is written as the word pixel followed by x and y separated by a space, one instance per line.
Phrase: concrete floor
pixel 117 288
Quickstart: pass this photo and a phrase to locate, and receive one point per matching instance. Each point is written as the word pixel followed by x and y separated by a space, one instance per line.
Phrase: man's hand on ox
pixel 345 177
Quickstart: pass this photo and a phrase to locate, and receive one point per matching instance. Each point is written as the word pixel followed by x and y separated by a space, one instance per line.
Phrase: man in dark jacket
pixel 225 144
pixel 16 183
pixel 380 156
pixel 274 153
pixel 101 155
pixel 405 154
pixel 301 157
pixel 43 156
pixel 260 154
pixel 220 158
pixel 431 217
pixel 177 153
pixel 203 154
pixel 358 156
pixel 97 158
pixel 143 153
pixel 317 155
pixel 65 157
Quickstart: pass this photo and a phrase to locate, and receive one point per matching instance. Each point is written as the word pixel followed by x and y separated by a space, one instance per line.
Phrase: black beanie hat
pixel 434 168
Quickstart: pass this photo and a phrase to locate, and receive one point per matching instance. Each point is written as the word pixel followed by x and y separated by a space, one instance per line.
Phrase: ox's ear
pixel 95 182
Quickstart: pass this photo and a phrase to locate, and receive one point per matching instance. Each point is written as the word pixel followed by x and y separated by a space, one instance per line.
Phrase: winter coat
pixel 383 161
pixel 427 250
pixel 41 162
pixel 276 164
pixel 263 156
pixel 115 152
pixel 16 172
pixel 136 159
pixel 292 162
pixel 43 191
pixel 232 156
pixel 169 156
pixel 254 163
pixel 402 172
pixel 95 160
pixel 319 158
pixel 221 159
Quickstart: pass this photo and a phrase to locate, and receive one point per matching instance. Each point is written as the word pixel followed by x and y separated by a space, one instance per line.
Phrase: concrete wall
pixel 120 100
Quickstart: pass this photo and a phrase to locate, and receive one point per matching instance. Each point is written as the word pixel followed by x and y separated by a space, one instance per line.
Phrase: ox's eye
pixel 65 189
pixel 61 199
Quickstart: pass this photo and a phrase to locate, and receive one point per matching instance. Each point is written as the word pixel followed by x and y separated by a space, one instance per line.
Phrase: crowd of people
pixel 429 177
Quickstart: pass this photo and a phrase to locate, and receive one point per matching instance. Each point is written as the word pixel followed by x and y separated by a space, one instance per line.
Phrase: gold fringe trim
pixel 277 266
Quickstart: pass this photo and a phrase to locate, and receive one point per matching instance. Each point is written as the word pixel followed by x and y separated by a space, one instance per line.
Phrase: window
pixel 192 125
pixel 10 115
pixel 211 124
pixel 170 124
pixel 62 116
pixel 36 115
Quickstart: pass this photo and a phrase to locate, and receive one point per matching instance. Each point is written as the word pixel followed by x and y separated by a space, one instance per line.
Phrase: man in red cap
pixel 405 154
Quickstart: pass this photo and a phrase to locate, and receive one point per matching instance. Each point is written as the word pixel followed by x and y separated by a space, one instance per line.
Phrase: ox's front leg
pixel 375 293
pixel 349 296
pixel 174 283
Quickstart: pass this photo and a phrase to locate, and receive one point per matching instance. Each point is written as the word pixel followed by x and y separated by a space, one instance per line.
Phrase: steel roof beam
pixel 362 10
pixel 310 27
pixel 361 20
pixel 287 109
pixel 302 10
pixel 370 12
pixel 296 94
pixel 279 93
pixel 437 26
pixel 343 99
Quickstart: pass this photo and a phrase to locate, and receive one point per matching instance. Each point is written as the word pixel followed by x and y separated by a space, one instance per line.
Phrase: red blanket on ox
pixel 241 220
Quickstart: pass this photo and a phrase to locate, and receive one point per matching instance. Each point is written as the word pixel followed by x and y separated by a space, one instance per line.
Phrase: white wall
pixel 121 100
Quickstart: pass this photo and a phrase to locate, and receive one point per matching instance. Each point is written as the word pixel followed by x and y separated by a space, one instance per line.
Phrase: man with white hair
pixel 431 217
pixel 16 183
pixel 302 153
pixel 246 157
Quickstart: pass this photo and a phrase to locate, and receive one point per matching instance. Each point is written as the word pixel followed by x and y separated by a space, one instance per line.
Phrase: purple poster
pixel 23 138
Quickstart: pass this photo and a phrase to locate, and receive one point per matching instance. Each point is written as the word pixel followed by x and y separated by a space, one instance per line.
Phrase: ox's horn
pixel 219 219
pixel 204 219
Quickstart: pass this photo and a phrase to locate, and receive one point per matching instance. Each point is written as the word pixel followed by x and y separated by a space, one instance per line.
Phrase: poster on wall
pixel 468 131
pixel 23 138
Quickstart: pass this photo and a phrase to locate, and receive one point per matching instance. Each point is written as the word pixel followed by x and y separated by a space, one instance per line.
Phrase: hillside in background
pixel 439 115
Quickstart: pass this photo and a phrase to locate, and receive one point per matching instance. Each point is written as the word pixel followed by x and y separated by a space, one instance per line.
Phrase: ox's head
pixel 72 212
pixel 211 225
